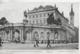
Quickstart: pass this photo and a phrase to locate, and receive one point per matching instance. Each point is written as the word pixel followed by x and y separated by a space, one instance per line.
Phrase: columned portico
pixel 41 23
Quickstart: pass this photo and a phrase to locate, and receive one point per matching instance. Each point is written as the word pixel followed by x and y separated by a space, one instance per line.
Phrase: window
pixel 33 21
pixel 36 21
pixel 40 21
pixel 40 15
pixel 33 16
pixel 30 21
pixel 45 21
pixel 44 14
pixel 35 35
pixel 56 36
pixel 36 16
pixel 29 16
pixel 42 35
pixel 48 35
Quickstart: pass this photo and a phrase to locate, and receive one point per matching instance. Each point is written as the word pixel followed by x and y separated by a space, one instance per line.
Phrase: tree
pixel 58 21
pixel 25 14
pixel 3 21
pixel 50 19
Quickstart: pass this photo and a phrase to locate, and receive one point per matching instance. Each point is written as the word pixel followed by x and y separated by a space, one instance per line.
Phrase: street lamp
pixel 12 32
pixel 24 32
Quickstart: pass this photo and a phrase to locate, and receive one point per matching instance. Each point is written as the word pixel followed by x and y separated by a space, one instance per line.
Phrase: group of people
pixel 37 43
pixel 48 41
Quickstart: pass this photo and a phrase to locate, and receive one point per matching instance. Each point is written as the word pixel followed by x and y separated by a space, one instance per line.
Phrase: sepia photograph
pixel 39 25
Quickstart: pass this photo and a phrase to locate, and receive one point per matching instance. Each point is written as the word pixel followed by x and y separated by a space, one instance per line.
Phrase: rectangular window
pixel 29 16
pixel 40 15
pixel 33 22
pixel 36 16
pixel 44 14
pixel 33 16
pixel 36 21
pixel 40 21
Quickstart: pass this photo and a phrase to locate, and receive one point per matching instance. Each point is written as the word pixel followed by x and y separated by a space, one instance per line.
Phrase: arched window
pixel 33 16
pixel 40 21
pixel 48 35
pixel 35 35
pixel 40 15
pixel 42 36
pixel 36 16
pixel 17 31
pixel 44 14
pixel 42 33
pixel 29 16
pixel 16 34
pixel 33 22
pixel 36 21
pixel 56 34
pixel 7 32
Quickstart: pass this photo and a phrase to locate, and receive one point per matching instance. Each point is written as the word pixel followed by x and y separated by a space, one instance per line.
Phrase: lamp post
pixel 24 32
pixel 12 32
pixel 31 31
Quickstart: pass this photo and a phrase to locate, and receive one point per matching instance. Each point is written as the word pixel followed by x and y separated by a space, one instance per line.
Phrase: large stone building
pixel 36 26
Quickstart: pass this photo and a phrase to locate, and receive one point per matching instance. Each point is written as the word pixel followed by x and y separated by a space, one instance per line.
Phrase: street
pixel 13 46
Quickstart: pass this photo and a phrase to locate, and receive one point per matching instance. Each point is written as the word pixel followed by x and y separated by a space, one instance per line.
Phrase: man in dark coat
pixel 0 41
pixel 48 43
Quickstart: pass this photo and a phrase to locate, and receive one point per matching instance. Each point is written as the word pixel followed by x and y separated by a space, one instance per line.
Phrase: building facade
pixel 35 26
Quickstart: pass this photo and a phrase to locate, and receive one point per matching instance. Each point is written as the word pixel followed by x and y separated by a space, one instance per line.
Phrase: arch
pixel 7 35
pixel 26 35
pixel 48 35
pixel 35 35
pixel 42 33
pixel 16 30
pixel 16 33
pixel 7 32
pixel 56 34
pixel 42 36
pixel 55 31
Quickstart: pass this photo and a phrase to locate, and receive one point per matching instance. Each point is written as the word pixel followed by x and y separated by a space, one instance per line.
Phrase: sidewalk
pixel 41 46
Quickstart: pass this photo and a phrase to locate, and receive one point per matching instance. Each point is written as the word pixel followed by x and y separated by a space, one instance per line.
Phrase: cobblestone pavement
pixel 13 46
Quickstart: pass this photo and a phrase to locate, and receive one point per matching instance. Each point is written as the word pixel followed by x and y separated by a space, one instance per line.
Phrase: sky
pixel 13 9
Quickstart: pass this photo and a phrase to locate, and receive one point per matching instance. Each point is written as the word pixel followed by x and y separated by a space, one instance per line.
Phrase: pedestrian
pixel 36 43
pixel 48 43
pixel 0 42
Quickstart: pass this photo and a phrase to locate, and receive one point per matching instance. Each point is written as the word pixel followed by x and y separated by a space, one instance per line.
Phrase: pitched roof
pixel 42 8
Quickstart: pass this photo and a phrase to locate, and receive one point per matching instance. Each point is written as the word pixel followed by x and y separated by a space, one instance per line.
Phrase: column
pixel 11 34
pixel 21 35
pixel 31 35
pixel 3 35
pixel 9 37
pixel 66 35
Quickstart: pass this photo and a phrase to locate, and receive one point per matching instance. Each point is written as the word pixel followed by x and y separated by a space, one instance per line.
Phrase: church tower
pixel 71 16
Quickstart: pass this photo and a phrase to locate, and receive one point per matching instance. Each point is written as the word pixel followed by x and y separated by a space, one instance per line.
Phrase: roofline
pixel 62 15
pixel 41 11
